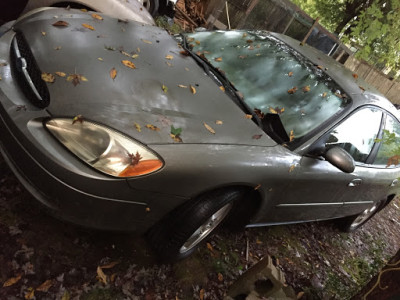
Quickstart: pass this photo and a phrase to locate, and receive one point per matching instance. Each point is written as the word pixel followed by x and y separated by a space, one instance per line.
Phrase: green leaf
pixel 175 131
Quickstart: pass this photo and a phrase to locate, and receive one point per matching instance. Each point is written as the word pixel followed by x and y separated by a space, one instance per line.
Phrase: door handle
pixel 394 182
pixel 355 182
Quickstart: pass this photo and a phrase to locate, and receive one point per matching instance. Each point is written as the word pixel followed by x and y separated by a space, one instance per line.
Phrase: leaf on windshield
pixel 219 122
pixel 249 41
pixel 291 169
pixel 197 42
pixel 183 86
pixel 251 47
pixel 355 75
pixel 222 88
pixel 138 127
pixel 256 136
pixel 247 116
pixel 48 77
pixel 44 287
pixel 209 128
pixel 393 160
pixel 128 64
pixel 147 42
pixel 243 56
pixel 320 67
pixel 152 127
pixel 12 281
pixel 164 88
pixel 60 24
pixel 97 17
pixel 184 53
pixel 259 113
pixel 76 78
pixel 276 110
pixel 77 118
pixel 362 89
pixel 218 59
pixel 306 88
pixel 169 57
pixel 88 26
pixel 324 94
pixel 292 90
pixel 193 89
pixel 113 73
pixel 290 74
pixel 61 74
pixel 291 136
pixel 244 35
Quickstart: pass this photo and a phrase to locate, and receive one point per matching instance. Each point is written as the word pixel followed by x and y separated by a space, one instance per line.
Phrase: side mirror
pixel 341 159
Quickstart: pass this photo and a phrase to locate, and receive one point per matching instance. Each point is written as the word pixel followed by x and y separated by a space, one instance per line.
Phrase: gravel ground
pixel 44 258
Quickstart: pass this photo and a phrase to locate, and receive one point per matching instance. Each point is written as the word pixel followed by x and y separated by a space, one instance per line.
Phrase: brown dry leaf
pixel 43 33
pixel 152 127
pixel 110 265
pixel 290 74
pixel 147 209
pixel 164 88
pixel 61 74
pixel 393 160
pixel 220 277
pixel 100 59
pixel 209 128
pixel 276 110
pixel 57 48
pixel 97 17
pixel 147 42
pixel 257 186
pixel 44 287
pixel 219 122
pixel 138 127
pixel 30 293
pixel 192 89
pixel 169 56
pixel 176 138
pixel 218 59
pixel 12 280
pixel 249 41
pixel 210 247
pixel 83 10
pixel 88 26
pixel 78 118
pixel 112 277
pixel 292 90
pixel 259 113
pixel 222 88
pixel 248 116
pixel 182 86
pixel 48 77
pixel 128 64
pixel 184 53
pixel 291 168
pixel 299 295
pixel 201 294
pixel 320 67
pixel 291 136
pixel 101 276
pixel 76 78
pixel 355 75
pixel 113 73
pixel 197 42
pixel 324 94
pixel 256 136
pixel 362 89
pixel 60 24
pixel 306 88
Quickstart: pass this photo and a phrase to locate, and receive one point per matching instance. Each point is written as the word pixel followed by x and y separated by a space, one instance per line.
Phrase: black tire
pixel 352 223
pixel 178 234
pixel 152 6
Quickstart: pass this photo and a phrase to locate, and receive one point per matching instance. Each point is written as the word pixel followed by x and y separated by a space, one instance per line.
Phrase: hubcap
pixel 205 229
pixel 364 216
pixel 146 4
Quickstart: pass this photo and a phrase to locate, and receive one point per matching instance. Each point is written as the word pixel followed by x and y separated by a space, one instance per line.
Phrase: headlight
pixel 104 149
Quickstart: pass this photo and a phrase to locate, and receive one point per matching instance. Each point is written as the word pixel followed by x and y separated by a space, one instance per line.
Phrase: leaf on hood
pixel 100 59
pixel 101 276
pixel 193 89
pixel 97 17
pixel 44 287
pixel 57 48
pixel 306 88
pixel 152 127
pixel 290 74
pixel 292 90
pixel 43 33
pixel 292 167
pixel 291 136
pixel 138 127
pixel 147 42
pixel 256 136
pixel 169 57
pixel 355 75
pixel 219 122
pixel 222 88
pixel 110 48
pixel 60 24
pixel 12 281
pixel 76 78
pixel 276 110
pixel 176 138
pixel 61 74
pixel 48 77
pixel 88 26
pixel 128 64
pixel 183 86
pixel 209 128
pixel 247 116
pixel 135 158
pixel 30 294
pixel 114 263
pixel 243 56
pixel 324 94
pixel 113 73
pixel 129 55
pixel 78 118
pixel 218 59
pixel 164 88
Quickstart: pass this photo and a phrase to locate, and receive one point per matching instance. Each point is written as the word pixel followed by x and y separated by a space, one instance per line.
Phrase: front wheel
pixel 151 5
pixel 182 231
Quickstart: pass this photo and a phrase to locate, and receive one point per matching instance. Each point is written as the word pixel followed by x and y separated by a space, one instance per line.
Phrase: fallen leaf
pixel 320 67
pixel 291 168
pixel 184 53
pixel 220 277
pixel 355 75
pixel 101 276
pixel 147 42
pixel 114 263
pixel 197 42
pixel 210 247
pixel 61 74
pixel 176 138
pixel 291 136
pixel 43 33
pixel 248 116
pixel 110 48
pixel 259 113
pixel 100 59
pixel 306 88
pixel 44 287
pixel 12 281
pixel 324 94
pixel 292 90
pixel 249 41
pixel 244 35
pixel 276 110
pixel 393 160
pixel 201 294
pixel 65 296
pixel 60 24
pixel 219 122
pixel 222 88
pixel 78 118
pixel 218 59
pixel 299 295
pixel 257 186
pixel 182 86
pixel 170 57
pixel 152 127
pixel 209 128
pixel 88 26
pixel 256 136
pixel 84 10
pixel 290 74
pixel 113 73
pixel 168 64
pixel 147 209
pixel 164 88
pixel 57 48
pixel 251 47
pixel 97 17
pixel 361 88
pixel 48 77
pixel 242 56
pixel 128 64
pixel 138 127
pixel 193 89
pixel 76 78
pixel 187 69
pixel 30 294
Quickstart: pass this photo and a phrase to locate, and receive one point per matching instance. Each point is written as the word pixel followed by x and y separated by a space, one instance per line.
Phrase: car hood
pixel 133 78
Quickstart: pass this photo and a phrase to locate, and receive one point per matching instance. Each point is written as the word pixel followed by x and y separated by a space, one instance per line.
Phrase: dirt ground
pixel 43 258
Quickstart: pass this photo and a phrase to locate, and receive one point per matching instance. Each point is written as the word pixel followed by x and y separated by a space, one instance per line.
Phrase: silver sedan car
pixel 118 125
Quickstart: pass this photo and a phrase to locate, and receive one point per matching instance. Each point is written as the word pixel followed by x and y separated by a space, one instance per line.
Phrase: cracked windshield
pixel 272 77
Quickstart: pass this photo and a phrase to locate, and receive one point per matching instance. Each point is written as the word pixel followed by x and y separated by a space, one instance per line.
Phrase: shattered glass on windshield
pixel 272 77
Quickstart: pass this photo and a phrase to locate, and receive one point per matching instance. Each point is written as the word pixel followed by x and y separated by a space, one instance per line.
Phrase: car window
pixel 357 134
pixel 389 149
pixel 272 77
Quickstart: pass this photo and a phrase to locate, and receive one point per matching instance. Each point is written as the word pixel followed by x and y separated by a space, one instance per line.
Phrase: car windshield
pixel 272 77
